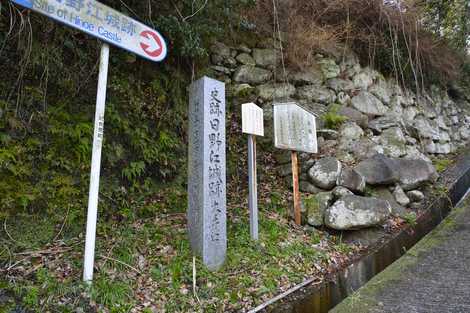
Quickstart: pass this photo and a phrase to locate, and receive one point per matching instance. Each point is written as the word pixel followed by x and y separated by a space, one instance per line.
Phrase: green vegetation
pixel 410 218
pixel 332 119
pixel 441 164
pixel 150 260
pixel 47 101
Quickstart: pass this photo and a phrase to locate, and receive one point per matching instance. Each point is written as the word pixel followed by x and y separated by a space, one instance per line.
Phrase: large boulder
pixel 308 187
pixel 426 128
pixel 316 94
pixel 354 116
pixel 251 75
pixel 376 170
pixel 382 123
pixel 413 173
pixel 246 59
pixel 394 142
pixel 325 172
pixel 354 212
pixel 267 58
pixel 381 90
pixel 368 104
pixel 272 91
pixel 352 180
pixel 410 174
pixel 307 76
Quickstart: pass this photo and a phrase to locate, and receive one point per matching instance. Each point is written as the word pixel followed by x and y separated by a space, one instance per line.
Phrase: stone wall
pixel 386 129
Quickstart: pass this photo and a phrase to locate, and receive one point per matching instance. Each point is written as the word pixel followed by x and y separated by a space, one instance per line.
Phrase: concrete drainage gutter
pixel 309 298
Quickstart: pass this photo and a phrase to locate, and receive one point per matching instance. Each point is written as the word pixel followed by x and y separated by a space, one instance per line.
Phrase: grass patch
pixel 442 164
pixel 149 261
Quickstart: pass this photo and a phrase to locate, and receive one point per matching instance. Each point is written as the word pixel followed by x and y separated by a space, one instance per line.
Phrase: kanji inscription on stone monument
pixel 206 172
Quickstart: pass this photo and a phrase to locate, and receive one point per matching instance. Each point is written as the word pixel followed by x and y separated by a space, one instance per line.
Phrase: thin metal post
pixel 96 166
pixel 295 187
pixel 252 183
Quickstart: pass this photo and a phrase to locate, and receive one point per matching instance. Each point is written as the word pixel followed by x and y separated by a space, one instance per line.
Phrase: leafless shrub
pixel 384 36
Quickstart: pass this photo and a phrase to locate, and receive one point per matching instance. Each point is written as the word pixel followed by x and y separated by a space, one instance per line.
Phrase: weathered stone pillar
pixel 206 172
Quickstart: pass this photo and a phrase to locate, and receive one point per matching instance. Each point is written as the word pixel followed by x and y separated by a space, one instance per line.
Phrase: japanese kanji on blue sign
pixel 103 22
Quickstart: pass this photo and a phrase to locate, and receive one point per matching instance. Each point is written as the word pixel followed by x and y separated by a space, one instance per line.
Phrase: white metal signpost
pixel 113 27
pixel 252 124
pixel 294 130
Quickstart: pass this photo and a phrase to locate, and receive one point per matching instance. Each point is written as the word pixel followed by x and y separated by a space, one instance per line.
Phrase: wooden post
pixel 253 197
pixel 295 187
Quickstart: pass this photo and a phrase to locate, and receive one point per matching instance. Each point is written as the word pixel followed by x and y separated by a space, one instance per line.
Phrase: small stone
pixel 352 180
pixel 338 84
pixel 385 194
pixel 220 49
pixel 400 196
pixel 317 94
pixel 409 115
pixel 412 153
pixel 307 187
pixel 230 62
pixel 325 172
pixel 243 48
pixel 221 69
pixel 442 148
pixel 307 76
pixel 464 132
pixel 251 75
pixel 243 90
pixel 354 116
pixel 382 91
pixel 362 81
pixel 343 98
pixel 271 91
pixel 246 59
pixel 379 124
pixel 415 195
pixel 350 131
pixel 328 134
pixel 329 68
pixel 339 192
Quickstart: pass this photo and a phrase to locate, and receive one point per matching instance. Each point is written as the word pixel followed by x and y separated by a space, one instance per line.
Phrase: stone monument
pixel 206 172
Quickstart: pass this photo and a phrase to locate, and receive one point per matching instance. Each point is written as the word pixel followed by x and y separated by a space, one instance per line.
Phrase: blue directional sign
pixel 105 23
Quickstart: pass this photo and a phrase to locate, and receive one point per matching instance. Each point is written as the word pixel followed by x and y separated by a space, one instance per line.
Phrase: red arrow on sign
pixel 151 43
